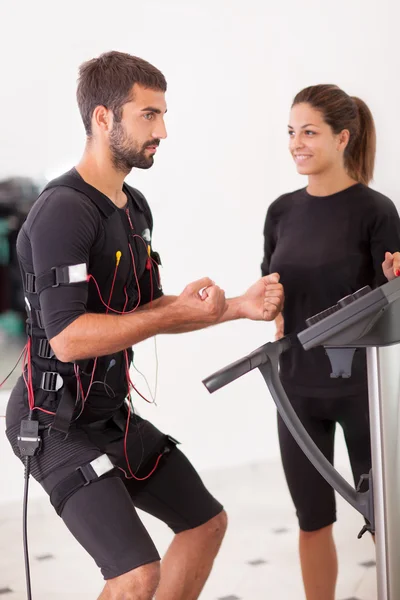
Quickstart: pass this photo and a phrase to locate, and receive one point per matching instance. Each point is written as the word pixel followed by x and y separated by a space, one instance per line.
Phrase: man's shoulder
pixel 62 203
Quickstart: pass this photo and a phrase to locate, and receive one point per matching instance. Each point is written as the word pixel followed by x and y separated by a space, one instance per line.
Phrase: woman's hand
pixel 391 265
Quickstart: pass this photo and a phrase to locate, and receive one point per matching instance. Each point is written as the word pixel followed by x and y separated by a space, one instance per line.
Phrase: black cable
pixel 25 527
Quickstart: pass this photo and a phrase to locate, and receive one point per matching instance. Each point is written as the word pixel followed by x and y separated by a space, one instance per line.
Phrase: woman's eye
pixel 291 133
pixel 310 133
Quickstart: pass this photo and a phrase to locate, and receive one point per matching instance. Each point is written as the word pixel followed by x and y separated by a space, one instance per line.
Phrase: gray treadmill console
pixel 365 318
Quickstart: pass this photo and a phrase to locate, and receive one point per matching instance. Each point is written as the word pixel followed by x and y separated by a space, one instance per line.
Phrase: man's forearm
pixel 162 301
pixel 231 313
pixel 98 334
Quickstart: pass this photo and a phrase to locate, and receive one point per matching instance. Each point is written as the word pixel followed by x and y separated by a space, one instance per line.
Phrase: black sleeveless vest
pixel 55 378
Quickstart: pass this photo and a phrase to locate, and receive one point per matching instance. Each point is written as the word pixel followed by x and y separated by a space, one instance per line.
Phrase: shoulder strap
pixel 104 205
pixel 141 204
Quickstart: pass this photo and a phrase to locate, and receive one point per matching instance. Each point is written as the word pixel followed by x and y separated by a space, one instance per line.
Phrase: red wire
pixel 28 382
pixel 91 382
pixel 136 277
pixel 24 378
pixel 27 355
pixel 142 478
pixel 126 299
pixel 130 383
pixel 133 476
pixel 152 259
pixel 30 386
pixel 157 272
pixel 77 375
pixel 118 312
pixel 48 412
pixel 138 393
pixel 84 398
pixel 113 284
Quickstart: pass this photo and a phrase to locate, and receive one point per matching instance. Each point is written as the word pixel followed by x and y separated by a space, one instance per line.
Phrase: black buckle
pixel 57 283
pixel 87 473
pixel 51 381
pixel 39 319
pixel 45 350
pixel 30 283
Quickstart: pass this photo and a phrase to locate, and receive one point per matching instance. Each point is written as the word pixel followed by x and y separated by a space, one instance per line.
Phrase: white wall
pixel 232 70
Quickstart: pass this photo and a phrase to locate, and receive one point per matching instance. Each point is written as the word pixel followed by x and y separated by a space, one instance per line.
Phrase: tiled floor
pixel 258 559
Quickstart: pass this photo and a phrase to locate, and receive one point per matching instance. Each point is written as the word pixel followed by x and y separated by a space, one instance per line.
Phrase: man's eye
pixel 148 116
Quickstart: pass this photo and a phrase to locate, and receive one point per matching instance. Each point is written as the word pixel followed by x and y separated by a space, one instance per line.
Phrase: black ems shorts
pixel 102 515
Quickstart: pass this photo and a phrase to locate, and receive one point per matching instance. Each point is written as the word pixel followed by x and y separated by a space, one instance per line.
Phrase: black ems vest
pixel 51 376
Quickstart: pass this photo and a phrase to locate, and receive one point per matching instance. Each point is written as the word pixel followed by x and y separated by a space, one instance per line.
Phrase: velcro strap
pixel 71 484
pixel 66 407
pixel 54 277
pixel 39 320
pixel 81 477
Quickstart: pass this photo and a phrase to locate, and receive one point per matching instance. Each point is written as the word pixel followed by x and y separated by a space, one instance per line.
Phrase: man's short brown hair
pixel 108 81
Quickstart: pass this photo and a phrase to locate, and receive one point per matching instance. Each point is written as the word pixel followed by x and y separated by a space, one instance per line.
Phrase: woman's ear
pixel 343 139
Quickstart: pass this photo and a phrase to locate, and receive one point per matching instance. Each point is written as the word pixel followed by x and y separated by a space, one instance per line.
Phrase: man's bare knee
pixel 216 527
pixel 220 524
pixel 138 584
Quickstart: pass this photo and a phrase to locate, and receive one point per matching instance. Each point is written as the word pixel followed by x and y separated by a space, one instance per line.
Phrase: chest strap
pixel 65 388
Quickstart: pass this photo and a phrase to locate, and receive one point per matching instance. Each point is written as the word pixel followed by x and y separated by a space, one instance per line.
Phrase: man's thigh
pixel 102 517
pixel 175 494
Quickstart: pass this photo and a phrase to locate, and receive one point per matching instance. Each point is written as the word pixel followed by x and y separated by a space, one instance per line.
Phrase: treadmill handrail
pixel 266 359
pixel 242 366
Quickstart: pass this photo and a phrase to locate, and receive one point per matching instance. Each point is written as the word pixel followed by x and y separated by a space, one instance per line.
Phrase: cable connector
pixel 29 440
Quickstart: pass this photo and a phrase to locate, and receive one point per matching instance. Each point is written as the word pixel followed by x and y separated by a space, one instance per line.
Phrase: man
pixel 86 256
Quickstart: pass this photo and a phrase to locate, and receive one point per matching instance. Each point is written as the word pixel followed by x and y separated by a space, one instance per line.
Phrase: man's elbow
pixel 62 348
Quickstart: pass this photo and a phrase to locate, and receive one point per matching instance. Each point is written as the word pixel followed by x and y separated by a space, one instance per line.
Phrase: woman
pixel 326 241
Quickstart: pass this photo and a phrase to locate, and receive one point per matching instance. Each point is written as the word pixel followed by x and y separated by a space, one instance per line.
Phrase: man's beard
pixel 125 153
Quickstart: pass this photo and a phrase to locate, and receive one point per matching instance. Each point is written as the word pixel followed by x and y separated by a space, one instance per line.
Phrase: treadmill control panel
pixel 341 304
